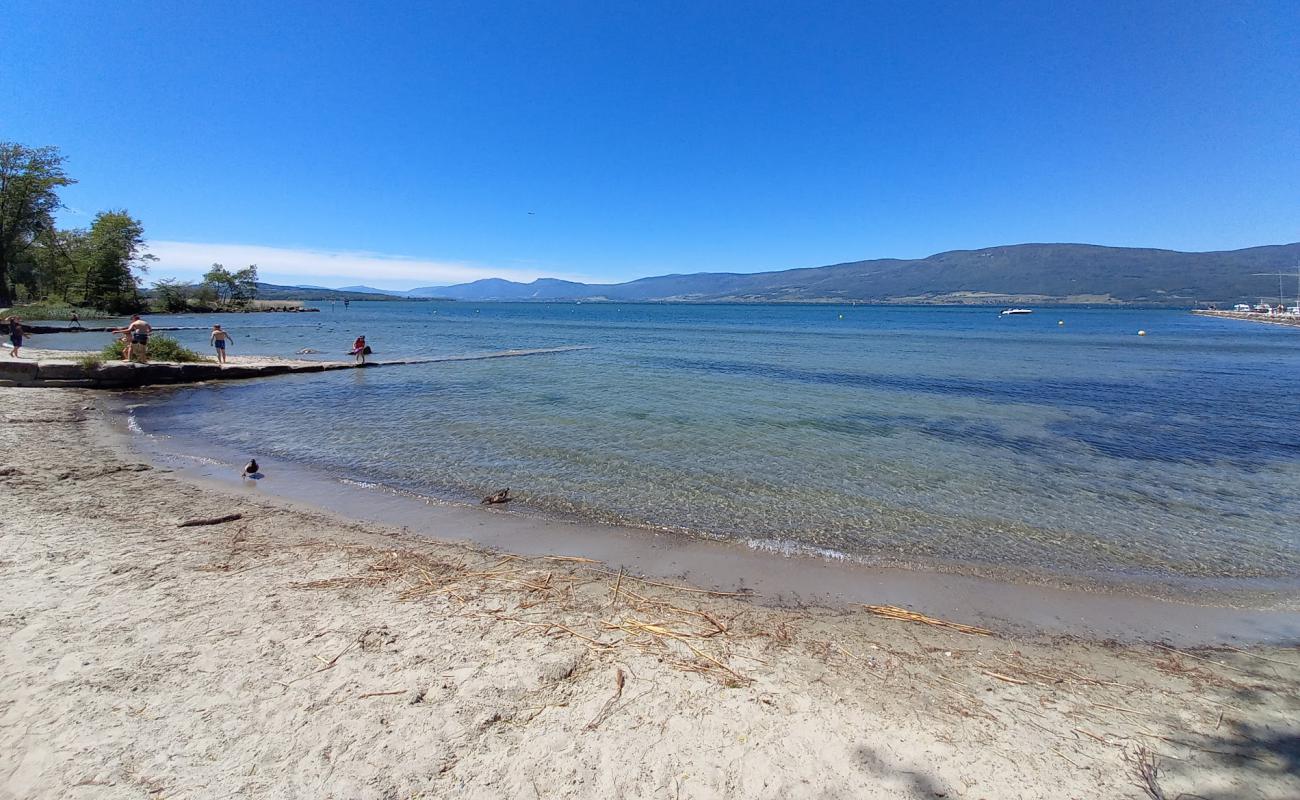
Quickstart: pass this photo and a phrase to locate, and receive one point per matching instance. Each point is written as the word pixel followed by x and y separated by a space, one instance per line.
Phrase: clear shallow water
pixel 915 436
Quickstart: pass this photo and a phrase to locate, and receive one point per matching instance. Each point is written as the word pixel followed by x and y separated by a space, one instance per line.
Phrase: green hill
pixel 1023 273
pixel 270 291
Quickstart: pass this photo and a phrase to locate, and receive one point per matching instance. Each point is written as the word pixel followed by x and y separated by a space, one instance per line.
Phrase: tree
pixel 221 281
pixel 234 287
pixel 53 266
pixel 172 295
pixel 116 245
pixel 245 284
pixel 64 257
pixel 30 178
pixel 205 296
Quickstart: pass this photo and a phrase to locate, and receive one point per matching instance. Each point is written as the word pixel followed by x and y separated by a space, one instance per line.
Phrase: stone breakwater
pixel 124 376
pixel 57 372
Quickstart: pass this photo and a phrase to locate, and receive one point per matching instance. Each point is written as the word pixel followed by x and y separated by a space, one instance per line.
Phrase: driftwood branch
pixel 1147 771
pixel 194 523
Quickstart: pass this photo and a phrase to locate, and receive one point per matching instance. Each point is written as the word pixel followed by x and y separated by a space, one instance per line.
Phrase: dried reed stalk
pixel 1148 772
pixel 689 589
pixel 619 679
pixel 894 612
pixel 1005 678
pixel 1200 658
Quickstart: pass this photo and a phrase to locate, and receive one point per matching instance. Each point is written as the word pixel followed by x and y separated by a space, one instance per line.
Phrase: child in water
pixel 360 349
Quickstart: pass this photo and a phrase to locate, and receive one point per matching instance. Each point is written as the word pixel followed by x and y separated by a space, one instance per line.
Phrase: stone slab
pixel 60 372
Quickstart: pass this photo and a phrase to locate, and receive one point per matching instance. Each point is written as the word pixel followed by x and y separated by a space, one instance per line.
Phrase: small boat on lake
pixel 1009 311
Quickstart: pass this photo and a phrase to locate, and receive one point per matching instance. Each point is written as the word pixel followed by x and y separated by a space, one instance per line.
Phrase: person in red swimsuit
pixel 360 349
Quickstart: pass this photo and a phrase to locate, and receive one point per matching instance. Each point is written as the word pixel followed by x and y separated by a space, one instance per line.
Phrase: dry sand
pixel 297 654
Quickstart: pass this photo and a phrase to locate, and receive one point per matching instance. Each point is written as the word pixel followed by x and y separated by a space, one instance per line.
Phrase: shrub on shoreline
pixel 53 311
pixel 161 348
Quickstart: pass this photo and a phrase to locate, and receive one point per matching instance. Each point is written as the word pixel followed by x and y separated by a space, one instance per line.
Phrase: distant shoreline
pixel 830 301
pixel 1249 316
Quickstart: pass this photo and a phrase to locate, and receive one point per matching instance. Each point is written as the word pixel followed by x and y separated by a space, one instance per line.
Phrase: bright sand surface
pixel 292 653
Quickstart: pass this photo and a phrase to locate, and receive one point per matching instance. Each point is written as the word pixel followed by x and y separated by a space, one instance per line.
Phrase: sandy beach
pixel 296 653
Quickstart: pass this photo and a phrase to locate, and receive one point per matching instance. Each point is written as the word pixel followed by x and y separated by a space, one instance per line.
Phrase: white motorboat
pixel 1008 312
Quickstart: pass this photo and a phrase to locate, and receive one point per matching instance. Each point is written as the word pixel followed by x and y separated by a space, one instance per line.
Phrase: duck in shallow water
pixel 251 470
pixel 502 496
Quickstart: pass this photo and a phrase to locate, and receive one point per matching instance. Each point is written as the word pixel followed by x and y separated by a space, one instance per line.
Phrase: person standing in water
pixel 219 339
pixel 15 335
pixel 360 349
pixel 75 322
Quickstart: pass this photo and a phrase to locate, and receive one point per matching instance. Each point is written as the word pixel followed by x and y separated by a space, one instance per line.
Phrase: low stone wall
pixel 127 376
pixel 123 375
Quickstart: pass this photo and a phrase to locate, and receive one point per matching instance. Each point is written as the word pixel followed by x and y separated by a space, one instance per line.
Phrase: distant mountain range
pixel 271 291
pixel 1023 273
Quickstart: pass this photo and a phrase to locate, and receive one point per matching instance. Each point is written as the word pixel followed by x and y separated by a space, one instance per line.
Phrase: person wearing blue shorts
pixel 220 339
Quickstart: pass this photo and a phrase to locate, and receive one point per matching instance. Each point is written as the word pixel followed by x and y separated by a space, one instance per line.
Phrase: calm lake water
pixel 909 436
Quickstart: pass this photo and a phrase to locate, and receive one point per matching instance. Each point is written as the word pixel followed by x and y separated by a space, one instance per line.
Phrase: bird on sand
pixel 502 496
pixel 250 469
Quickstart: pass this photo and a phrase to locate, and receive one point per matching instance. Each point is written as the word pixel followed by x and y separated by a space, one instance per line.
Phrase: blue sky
pixel 406 144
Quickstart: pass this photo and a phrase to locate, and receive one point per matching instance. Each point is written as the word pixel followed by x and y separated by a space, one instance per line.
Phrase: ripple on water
pixel 914 435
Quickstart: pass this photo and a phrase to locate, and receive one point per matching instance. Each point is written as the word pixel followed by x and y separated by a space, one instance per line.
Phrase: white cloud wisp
pixel 189 260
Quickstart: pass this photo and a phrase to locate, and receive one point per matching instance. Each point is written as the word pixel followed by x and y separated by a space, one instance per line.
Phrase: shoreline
pixel 1190 612
pixel 1249 316
pixel 291 652
pixel 1186 610
pixel 1023 603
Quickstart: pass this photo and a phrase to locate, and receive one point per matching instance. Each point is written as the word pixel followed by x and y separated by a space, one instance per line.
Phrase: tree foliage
pixel 99 266
pixel 116 253
pixel 30 178
pixel 239 287
pixel 172 296
pixel 246 284
pixel 221 280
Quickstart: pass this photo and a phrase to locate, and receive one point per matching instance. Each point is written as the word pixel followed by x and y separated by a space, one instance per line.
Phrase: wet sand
pixel 296 653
